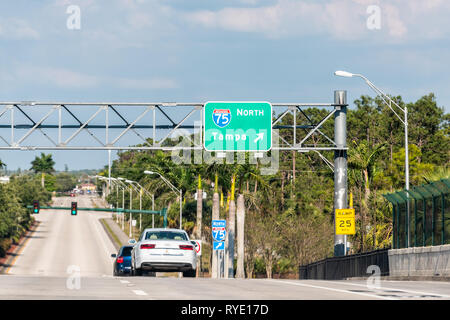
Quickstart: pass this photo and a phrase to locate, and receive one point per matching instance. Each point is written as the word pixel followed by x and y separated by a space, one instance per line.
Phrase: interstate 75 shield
pixel 219 231
pixel 221 117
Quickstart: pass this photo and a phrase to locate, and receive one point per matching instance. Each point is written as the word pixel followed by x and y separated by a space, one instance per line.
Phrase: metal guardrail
pixel 339 268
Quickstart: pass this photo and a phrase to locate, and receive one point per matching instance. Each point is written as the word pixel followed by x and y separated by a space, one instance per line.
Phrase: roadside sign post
pixel 237 126
pixel 219 233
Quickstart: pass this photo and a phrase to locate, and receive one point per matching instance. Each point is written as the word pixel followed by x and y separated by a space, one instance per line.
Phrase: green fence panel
pixel 428 209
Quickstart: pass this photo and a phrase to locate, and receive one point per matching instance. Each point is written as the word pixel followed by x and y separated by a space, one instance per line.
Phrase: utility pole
pixel 340 164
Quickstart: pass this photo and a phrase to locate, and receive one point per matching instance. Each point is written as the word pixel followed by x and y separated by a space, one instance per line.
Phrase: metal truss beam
pixel 51 119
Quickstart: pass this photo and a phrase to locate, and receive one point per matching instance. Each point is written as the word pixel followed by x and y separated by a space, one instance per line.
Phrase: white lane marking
pixel 396 289
pixel 333 289
pixel 124 281
pixel 139 292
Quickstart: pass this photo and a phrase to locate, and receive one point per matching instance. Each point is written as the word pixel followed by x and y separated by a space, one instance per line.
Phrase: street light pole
pixel 117 202
pixel 389 102
pixel 139 188
pixel 123 207
pixel 153 209
pixel 174 189
pixel 181 206
pixel 140 208
pixel 131 215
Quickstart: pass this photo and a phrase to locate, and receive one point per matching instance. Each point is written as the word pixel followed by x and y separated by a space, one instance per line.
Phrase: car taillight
pixel 186 247
pixel 120 260
pixel 147 246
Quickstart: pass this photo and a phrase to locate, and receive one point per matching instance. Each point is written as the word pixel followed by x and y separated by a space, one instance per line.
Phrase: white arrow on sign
pixel 259 136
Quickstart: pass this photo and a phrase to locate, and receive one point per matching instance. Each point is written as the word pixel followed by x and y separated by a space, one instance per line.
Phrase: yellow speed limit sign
pixel 345 221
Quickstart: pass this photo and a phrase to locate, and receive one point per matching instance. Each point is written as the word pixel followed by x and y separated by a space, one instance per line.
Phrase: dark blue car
pixel 122 263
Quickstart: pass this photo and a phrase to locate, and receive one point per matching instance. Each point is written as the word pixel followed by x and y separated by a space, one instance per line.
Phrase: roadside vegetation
pixel 15 218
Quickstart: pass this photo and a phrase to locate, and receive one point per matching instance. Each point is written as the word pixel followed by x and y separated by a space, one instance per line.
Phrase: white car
pixel 165 250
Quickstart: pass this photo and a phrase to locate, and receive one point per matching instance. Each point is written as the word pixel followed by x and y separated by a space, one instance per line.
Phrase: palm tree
pixel 438 174
pixel 44 165
pixel 2 164
pixel 362 159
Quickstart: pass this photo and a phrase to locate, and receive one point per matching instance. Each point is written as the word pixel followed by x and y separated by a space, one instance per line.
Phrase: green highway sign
pixel 237 126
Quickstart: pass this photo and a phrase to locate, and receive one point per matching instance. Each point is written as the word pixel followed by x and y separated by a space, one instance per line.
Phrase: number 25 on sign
pixel 345 221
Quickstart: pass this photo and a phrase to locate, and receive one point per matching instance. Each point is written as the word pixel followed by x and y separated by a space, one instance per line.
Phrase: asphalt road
pixel 68 257
pixel 63 242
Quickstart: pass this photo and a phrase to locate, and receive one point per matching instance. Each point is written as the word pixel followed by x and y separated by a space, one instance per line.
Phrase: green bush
pixel 4 246
pixel 260 266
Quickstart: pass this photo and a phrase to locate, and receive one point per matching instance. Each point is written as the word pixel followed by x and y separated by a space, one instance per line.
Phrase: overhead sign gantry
pixel 62 124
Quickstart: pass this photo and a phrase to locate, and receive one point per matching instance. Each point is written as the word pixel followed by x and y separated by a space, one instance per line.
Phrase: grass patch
pixel 112 234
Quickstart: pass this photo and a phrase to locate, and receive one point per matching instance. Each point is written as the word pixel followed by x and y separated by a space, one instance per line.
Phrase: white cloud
pixel 13 28
pixel 58 77
pixel 287 17
pixel 340 19
pixel 65 78
pixel 143 84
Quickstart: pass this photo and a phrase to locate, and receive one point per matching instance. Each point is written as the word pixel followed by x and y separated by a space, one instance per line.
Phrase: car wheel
pixel 189 274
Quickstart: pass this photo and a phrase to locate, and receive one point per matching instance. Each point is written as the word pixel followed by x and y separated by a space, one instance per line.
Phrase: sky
pixel 201 50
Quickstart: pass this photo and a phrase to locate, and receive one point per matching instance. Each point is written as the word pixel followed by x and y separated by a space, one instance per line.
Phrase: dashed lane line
pixel 139 292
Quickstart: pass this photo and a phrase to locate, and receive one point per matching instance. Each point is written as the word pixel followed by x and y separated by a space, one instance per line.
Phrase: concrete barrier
pixel 432 261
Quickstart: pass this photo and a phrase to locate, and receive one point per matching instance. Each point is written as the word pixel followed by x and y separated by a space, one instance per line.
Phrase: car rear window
pixel 165 235
pixel 126 251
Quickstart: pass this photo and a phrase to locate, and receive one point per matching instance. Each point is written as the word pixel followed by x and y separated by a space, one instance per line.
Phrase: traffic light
pixel 74 209
pixel 35 206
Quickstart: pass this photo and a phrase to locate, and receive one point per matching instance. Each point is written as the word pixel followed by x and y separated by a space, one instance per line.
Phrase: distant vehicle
pixel 167 250
pixel 72 194
pixel 122 263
